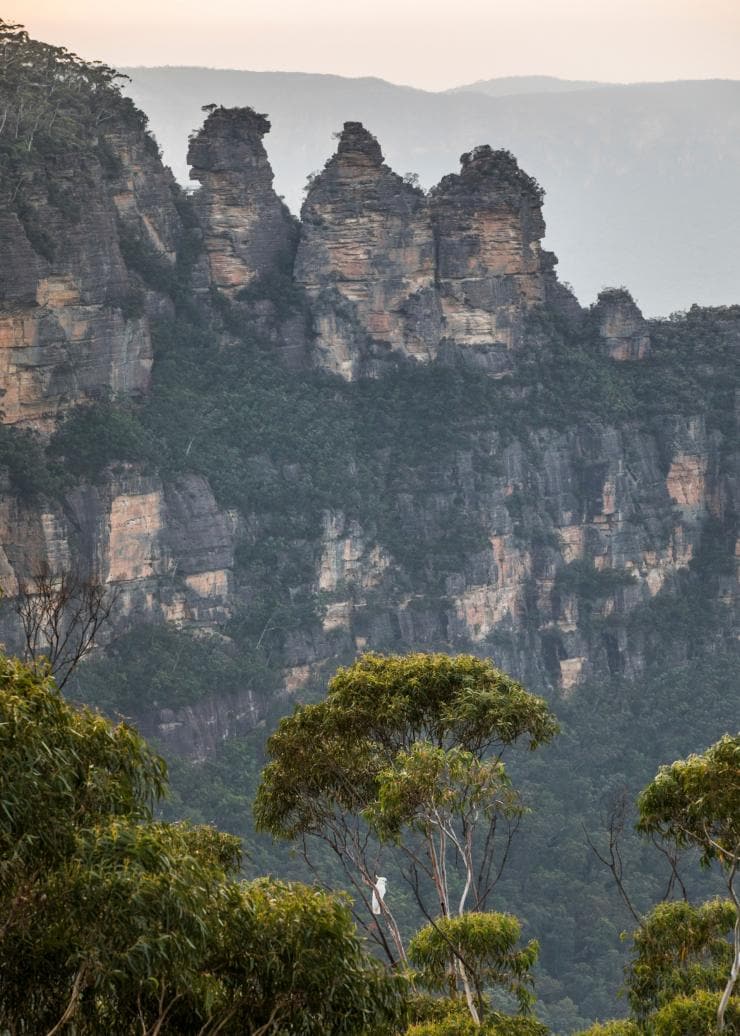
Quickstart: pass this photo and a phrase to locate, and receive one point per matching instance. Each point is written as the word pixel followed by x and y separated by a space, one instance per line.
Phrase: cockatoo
pixel 378 894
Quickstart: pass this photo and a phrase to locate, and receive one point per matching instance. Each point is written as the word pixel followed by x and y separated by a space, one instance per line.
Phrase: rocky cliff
pixel 534 515
pixel 367 261
pixel 391 270
pixel 74 315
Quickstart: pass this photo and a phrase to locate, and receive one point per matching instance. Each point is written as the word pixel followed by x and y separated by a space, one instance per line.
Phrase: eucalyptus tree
pixel 112 922
pixel 485 947
pixel 696 802
pixel 405 754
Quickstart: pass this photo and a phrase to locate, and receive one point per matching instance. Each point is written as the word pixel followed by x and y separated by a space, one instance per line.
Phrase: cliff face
pixel 247 230
pixel 167 548
pixel 582 531
pixel 541 540
pixel 74 319
pixel 490 267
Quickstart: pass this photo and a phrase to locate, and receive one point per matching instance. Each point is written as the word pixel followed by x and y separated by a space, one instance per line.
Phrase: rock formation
pixel 620 325
pixel 389 270
pixel 366 260
pixel 490 267
pixel 73 316
pixel 579 526
pixel 247 230
pixel 167 547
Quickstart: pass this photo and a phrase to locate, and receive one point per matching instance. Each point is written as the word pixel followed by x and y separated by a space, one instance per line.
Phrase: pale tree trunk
pixel 462 972
pixel 73 1003
pixel 735 969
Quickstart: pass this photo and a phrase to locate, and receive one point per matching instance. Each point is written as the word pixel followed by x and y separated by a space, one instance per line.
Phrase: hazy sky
pixel 428 43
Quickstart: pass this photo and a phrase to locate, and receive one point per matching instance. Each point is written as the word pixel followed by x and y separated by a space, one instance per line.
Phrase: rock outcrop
pixel 491 268
pixel 391 271
pixel 74 317
pixel 247 229
pixel 165 546
pixel 366 260
pixel 620 325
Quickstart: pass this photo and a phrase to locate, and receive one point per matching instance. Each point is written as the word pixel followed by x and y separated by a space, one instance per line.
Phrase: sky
pixel 432 44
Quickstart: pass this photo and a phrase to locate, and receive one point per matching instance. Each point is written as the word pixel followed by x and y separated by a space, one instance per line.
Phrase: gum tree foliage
pixel 50 98
pixel 114 923
pixel 485 949
pixel 446 1019
pixel 679 948
pixel 678 971
pixel 404 753
pixel 695 802
pixel 686 957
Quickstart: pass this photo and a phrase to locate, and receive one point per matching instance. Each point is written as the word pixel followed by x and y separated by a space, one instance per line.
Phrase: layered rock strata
pixel 491 268
pixel 247 230
pixel 74 318
pixel 366 259
pixel 390 270
pixel 166 547
pixel 583 528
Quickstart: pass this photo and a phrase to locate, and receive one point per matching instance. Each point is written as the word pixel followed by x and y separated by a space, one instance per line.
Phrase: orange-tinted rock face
pixel 247 229
pixel 490 267
pixel 366 260
pixel 166 547
pixel 390 270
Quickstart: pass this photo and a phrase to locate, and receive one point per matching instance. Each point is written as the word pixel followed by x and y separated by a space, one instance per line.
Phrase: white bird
pixel 378 894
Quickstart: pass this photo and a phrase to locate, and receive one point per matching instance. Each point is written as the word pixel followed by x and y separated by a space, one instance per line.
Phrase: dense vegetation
pixel 115 922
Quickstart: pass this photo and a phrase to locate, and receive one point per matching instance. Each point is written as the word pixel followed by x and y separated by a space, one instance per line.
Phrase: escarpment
pixel 456 456
pixel 74 311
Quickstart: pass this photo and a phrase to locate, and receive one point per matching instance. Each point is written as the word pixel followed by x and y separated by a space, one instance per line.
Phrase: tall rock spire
pixel 391 271
pixel 247 229
pixel 366 260
pixel 490 266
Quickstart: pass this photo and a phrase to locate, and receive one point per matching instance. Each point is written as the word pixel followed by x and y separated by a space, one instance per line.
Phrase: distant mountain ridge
pixel 508 86
pixel 641 179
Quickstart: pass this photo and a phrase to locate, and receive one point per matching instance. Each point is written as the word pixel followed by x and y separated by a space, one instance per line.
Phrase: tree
pixel 61 614
pixel 696 802
pixel 289 961
pixel 679 949
pixel 404 755
pixel 112 922
pixel 479 950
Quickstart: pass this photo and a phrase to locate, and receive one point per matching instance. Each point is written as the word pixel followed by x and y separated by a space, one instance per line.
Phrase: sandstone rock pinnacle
pixel 247 230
